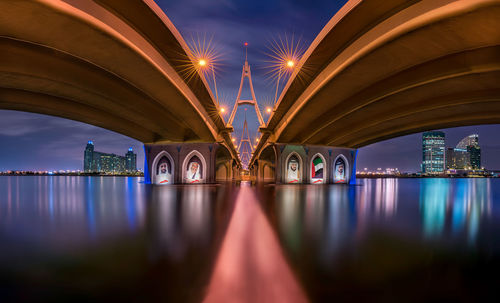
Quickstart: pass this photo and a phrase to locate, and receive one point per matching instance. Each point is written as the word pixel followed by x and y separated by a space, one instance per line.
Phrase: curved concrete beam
pixel 378 60
pixel 124 59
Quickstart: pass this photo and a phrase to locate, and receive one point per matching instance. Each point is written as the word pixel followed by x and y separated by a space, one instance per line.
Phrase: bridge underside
pixel 382 69
pixel 114 64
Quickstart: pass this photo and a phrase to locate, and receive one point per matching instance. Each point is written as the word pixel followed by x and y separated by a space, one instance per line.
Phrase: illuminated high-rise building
pixel 98 162
pixel 131 161
pixel 88 157
pixel 457 158
pixel 471 145
pixel 433 152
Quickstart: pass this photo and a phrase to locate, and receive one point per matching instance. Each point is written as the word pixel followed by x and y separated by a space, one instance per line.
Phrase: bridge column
pixel 189 163
pixel 310 164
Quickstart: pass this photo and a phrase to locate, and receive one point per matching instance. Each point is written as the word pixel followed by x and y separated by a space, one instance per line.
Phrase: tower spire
pixel 245 147
pixel 246 51
pixel 246 73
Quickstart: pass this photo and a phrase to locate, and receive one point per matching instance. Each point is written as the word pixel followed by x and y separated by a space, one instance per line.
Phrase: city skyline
pixel 65 153
pixel 31 141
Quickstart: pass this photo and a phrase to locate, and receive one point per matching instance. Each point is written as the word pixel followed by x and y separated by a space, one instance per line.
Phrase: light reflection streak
pixel 89 203
pixel 195 212
pixel 339 222
pixel 69 210
pixel 183 219
pixel 461 202
pixel 290 208
pixel 433 198
pixel 250 266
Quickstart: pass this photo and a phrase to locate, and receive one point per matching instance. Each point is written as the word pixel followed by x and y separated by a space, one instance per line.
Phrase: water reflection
pixel 250 266
pixel 461 203
pixel 188 243
pixel 182 219
pixel 85 208
pixel 315 214
pixel 325 220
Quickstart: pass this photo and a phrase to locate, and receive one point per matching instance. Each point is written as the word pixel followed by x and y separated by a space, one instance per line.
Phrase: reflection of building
pixel 433 152
pixel 94 161
pixel 466 155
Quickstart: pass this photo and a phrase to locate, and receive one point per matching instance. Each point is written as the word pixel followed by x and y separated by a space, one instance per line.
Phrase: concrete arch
pixel 155 163
pixel 204 170
pixel 383 69
pixel 325 169
pixel 223 164
pixel 132 83
pixel 347 170
pixel 301 167
pixel 267 164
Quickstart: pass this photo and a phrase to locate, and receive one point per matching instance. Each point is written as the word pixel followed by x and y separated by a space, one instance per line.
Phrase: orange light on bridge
pixel 268 110
pixel 257 139
pixel 222 110
pixel 290 63
pixel 202 62
pixel 233 139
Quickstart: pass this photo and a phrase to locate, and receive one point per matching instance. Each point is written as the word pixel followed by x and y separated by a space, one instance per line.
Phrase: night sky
pixel 38 142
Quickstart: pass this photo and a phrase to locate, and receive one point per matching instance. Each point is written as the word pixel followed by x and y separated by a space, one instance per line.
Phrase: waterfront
pixel 115 238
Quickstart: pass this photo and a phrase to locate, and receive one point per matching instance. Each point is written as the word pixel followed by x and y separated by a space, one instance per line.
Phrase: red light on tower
pixel 246 43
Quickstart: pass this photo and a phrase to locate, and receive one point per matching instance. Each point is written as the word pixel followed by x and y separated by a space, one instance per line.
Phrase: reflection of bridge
pixel 376 71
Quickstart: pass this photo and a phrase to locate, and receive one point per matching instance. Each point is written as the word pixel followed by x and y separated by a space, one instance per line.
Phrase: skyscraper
pixel 98 162
pixel 470 140
pixel 457 158
pixel 433 152
pixel 475 156
pixel 471 145
pixel 88 157
pixel 131 161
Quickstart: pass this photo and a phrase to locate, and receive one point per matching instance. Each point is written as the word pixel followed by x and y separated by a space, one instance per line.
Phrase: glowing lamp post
pixel 285 64
pixel 205 63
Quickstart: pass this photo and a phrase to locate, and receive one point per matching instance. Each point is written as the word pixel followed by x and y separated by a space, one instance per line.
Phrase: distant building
pixel 433 152
pixel 457 158
pixel 470 144
pixel 475 156
pixel 130 161
pixel 98 162
pixel 471 140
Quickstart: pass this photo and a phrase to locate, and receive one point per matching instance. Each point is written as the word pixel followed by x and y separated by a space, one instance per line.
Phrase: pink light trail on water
pixel 251 266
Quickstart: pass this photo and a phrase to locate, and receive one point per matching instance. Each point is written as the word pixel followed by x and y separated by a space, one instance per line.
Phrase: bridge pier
pixel 188 163
pixel 309 164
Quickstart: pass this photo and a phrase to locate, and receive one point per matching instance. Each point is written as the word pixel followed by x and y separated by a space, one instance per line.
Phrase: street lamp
pixel 285 65
pixel 206 63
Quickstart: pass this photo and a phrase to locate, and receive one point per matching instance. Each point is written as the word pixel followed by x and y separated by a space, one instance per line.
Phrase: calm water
pixel 117 239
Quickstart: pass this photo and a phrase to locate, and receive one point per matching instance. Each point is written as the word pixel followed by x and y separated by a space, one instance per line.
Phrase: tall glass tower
pixel 88 157
pixel 475 156
pixel 131 161
pixel 433 152
pixel 471 145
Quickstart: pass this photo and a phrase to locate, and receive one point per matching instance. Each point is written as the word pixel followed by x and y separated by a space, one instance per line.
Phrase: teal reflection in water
pixel 433 198
pixel 461 203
